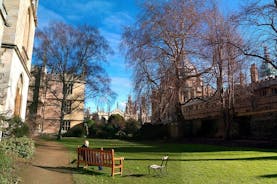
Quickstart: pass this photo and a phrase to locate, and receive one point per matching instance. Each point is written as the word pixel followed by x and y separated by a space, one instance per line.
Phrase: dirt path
pixel 50 165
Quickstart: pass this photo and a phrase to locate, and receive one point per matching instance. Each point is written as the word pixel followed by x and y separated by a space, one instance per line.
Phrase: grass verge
pixel 188 163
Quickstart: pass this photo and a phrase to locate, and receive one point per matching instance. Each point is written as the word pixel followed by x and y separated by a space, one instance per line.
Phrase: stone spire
pixel 254 73
pixel 266 54
pixel 241 78
pixel 267 70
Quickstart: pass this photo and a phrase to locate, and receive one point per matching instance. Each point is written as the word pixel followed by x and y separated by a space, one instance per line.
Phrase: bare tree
pixel 73 56
pixel 161 46
pixel 227 58
pixel 258 20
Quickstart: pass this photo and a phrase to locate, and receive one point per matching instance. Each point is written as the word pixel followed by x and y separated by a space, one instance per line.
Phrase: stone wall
pixel 15 56
pixel 3 19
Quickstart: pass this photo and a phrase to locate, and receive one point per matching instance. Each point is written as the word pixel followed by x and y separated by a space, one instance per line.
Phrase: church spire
pixel 266 55
pixel 267 70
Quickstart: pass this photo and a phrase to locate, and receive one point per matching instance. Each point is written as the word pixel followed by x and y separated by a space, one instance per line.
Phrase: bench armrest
pixel 119 158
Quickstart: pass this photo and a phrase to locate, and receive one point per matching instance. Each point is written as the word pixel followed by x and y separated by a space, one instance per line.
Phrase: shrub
pixel 76 131
pixel 132 127
pixel 21 131
pixel 121 134
pixel 89 122
pixel 153 131
pixel 16 127
pixel 103 130
pixel 22 147
pixel 117 121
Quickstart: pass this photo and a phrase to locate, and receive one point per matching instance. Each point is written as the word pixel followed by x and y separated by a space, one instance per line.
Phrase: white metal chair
pixel 162 168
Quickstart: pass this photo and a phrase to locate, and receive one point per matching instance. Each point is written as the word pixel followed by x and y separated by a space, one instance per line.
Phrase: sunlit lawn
pixel 188 163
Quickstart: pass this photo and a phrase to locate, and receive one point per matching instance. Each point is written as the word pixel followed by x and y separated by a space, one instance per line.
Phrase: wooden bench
pixel 100 157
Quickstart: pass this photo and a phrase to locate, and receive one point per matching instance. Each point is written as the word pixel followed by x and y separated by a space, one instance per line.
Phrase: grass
pixel 188 164
pixel 6 169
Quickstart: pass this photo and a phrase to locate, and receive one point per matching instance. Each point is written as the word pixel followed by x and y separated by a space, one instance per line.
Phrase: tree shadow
pixel 187 148
pixel 269 176
pixel 134 175
pixel 70 170
pixel 210 159
pixel 173 147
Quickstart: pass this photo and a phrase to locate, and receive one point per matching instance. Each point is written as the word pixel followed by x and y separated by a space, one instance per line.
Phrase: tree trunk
pixel 59 137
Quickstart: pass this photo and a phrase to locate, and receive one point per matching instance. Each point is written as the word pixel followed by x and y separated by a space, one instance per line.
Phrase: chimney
pixel 254 73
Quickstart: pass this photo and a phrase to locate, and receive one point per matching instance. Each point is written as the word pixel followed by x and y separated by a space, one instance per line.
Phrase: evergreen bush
pixel 22 147
pixel 21 131
pixel 76 131
pixel 153 131
pixel 132 127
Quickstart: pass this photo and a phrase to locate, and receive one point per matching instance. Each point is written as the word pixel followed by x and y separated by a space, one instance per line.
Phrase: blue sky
pixel 109 16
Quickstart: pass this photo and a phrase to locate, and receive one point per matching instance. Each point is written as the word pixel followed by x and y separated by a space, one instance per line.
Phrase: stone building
pixel 104 116
pixel 254 112
pixel 18 21
pixel 143 115
pixel 3 19
pixel 132 111
pixel 193 87
pixel 44 102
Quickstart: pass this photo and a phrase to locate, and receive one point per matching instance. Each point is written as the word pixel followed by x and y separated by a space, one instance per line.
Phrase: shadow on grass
pixel 269 176
pixel 135 175
pixel 70 170
pixel 185 148
pixel 210 159
pixel 161 146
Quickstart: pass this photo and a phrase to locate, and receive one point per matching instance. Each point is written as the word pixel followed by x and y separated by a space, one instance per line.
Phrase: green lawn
pixel 188 163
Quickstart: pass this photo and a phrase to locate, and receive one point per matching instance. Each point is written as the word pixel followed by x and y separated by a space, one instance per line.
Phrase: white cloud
pixel 93 7
pixel 118 19
pixel 46 15
pixel 70 10
pixel 122 83
pixel 113 38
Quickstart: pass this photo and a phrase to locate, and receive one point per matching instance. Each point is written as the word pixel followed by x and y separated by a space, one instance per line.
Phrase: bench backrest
pixel 96 156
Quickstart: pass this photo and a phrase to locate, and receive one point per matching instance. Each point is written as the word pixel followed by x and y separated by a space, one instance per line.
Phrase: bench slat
pixel 100 157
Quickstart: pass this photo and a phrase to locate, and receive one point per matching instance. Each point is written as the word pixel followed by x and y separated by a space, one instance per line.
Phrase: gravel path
pixel 50 165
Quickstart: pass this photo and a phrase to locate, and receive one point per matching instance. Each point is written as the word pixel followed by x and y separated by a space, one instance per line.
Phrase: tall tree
pixel 74 56
pixel 225 40
pixel 160 47
pixel 258 20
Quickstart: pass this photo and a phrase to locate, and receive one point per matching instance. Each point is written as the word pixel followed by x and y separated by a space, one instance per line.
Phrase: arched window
pixel 18 96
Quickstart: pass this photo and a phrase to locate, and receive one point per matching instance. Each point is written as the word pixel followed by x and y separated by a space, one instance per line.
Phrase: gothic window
pixel 66 125
pixel 68 88
pixel 67 106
